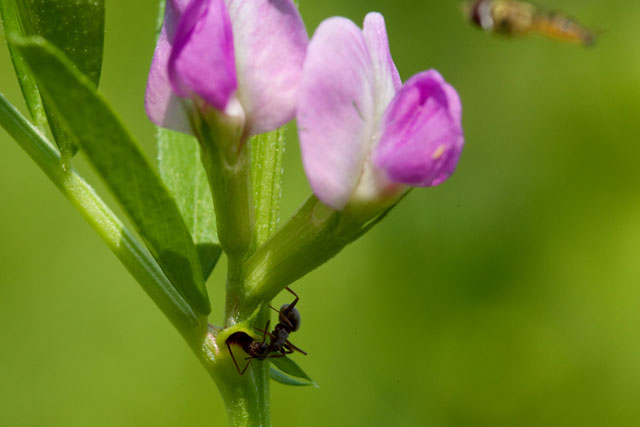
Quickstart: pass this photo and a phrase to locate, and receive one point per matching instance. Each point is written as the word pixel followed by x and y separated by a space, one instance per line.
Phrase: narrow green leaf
pixel 287 380
pixel 183 173
pixel 290 367
pixel 13 26
pixel 76 27
pixel 117 158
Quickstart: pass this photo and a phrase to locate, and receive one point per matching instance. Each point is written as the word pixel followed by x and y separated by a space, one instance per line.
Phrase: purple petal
pixel 422 134
pixel 270 45
pixel 179 5
pixel 336 110
pixel 202 60
pixel 161 104
pixel 387 77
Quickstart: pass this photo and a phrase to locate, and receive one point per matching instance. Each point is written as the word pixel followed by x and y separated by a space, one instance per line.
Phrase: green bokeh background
pixel 509 296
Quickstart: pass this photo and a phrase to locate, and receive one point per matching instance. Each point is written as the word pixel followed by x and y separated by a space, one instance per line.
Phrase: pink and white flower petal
pixel 386 74
pixel 336 110
pixel 422 135
pixel 270 44
pixel 161 104
pixel 202 59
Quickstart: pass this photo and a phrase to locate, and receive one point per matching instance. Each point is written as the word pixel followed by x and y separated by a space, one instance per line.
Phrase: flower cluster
pixel 248 67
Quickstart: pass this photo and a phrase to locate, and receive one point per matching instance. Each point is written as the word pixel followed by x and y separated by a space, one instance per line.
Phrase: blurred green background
pixel 509 296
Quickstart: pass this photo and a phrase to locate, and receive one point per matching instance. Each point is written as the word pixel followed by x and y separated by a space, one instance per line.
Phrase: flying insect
pixel 517 18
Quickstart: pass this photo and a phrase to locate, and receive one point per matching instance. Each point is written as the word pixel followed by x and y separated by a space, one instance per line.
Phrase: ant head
pixel 258 349
pixel 292 315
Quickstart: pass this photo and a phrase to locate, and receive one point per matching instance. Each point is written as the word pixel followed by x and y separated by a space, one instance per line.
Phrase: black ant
pixel 279 344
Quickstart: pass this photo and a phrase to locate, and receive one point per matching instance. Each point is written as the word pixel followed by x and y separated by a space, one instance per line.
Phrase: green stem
pixel 227 163
pixel 246 400
pixel 313 235
pixel 117 237
pixel 246 397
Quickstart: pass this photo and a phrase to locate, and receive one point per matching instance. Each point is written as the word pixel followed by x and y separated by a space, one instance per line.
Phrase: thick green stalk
pixel 121 241
pixel 312 236
pixel 247 397
pixel 226 160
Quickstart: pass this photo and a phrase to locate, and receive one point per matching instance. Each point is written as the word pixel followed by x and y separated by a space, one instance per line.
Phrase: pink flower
pixel 366 137
pixel 239 58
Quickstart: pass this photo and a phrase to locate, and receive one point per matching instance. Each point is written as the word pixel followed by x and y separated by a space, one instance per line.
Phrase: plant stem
pixel 313 235
pixel 226 160
pixel 247 397
pixel 246 400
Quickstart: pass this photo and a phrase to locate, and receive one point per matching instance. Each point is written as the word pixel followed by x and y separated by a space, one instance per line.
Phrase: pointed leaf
pixel 290 367
pixel 116 156
pixel 182 171
pixel 287 380
pixel 76 27
pixel 13 25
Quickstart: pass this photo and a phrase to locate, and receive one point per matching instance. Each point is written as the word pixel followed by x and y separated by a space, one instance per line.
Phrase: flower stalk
pixel 246 397
pixel 311 237
pixel 227 164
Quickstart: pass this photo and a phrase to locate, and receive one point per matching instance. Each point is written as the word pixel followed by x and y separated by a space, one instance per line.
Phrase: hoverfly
pixel 516 18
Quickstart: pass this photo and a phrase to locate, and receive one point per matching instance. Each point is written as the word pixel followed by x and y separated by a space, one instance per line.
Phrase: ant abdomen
pixel 292 315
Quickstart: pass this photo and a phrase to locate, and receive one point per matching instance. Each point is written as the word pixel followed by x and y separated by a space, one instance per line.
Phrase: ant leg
pixel 264 332
pixel 274 309
pixel 275 355
pixel 293 304
pixel 286 349
pixel 293 347
pixel 246 366
pixel 282 317
pixel 235 362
